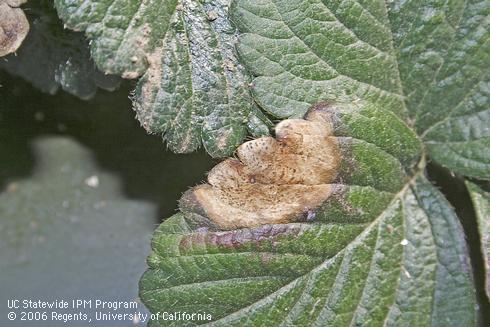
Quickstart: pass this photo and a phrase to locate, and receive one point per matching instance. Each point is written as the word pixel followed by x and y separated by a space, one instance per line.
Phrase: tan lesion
pixel 13 26
pixel 272 180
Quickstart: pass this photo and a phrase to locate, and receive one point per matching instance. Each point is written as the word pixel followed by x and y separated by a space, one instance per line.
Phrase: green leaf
pixel 193 90
pixel 13 26
pixel 481 203
pixel 427 62
pixel 406 265
pixel 52 57
pixel 381 247
pixel 332 222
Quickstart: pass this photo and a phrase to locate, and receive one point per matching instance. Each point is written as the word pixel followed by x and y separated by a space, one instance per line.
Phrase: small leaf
pixel 316 227
pixel 53 57
pixel 427 62
pixel 193 90
pixel 481 203
pixel 13 26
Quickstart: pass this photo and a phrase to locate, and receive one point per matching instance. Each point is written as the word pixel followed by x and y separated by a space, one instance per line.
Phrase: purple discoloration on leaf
pixel 240 238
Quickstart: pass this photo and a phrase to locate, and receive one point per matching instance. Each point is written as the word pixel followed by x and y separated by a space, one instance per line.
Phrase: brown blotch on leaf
pixel 272 180
pixel 13 26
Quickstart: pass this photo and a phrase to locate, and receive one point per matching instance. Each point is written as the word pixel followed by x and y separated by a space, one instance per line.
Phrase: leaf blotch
pixel 240 239
pixel 272 180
